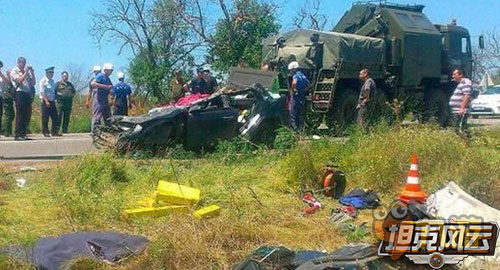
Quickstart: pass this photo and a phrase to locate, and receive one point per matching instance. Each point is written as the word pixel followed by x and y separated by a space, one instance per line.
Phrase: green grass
pixel 257 189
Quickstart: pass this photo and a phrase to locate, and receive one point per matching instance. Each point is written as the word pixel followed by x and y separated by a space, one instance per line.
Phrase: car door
pixel 205 127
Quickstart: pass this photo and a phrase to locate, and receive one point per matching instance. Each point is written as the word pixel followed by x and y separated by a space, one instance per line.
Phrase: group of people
pixel 459 104
pixel 17 87
pixel 17 93
pixel 103 94
pixel 202 83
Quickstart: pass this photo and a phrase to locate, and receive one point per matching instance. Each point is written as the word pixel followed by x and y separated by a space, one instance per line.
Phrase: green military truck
pixel 405 53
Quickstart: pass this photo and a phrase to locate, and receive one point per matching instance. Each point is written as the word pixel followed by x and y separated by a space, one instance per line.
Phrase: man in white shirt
pixel 48 103
pixel 23 80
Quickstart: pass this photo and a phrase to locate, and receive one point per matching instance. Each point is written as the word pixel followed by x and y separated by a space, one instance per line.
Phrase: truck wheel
pixel 343 112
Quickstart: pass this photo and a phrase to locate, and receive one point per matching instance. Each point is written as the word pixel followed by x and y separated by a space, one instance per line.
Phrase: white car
pixel 487 103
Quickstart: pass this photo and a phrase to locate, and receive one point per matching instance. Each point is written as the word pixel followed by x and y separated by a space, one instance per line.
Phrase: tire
pixel 343 113
pixel 438 106
pixel 475 116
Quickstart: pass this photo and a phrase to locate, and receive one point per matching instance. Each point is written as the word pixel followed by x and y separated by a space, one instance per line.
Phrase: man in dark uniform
pixel 366 94
pixel 212 84
pixel 23 80
pixel 65 94
pixel 48 103
pixel 8 105
pixel 298 89
pixel 4 82
pixel 197 85
pixel 121 96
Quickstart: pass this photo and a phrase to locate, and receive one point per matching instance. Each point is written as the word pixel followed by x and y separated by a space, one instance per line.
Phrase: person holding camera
pixel 23 80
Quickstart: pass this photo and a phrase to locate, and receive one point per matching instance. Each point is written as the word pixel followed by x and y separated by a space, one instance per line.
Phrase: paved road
pixel 41 148
pixel 485 121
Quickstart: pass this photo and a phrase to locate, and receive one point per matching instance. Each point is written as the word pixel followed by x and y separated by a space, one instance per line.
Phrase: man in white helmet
pixel 101 109
pixel 122 99
pixel 95 71
pixel 298 89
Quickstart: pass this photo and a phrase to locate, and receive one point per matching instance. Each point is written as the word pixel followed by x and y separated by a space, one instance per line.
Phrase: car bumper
pixel 482 110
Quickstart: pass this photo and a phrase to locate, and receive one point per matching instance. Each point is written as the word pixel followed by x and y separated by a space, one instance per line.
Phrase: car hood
pixel 487 99
pixel 161 113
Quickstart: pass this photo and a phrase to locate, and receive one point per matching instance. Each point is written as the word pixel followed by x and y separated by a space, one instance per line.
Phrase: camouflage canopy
pixel 350 48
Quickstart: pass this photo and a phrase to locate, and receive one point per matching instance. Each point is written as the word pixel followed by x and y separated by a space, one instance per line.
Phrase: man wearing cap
pixel 65 94
pixel 95 71
pixel 298 89
pixel 100 103
pixel 122 100
pixel 48 97
pixel 23 79
pixel 197 85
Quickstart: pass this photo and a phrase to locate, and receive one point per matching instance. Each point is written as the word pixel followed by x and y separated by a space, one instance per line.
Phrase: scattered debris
pixel 171 198
pixel 453 202
pixel 155 211
pixel 20 182
pixel 361 199
pixel 27 169
pixel 313 203
pixel 209 211
pixel 343 214
pixel 56 252
pixel 176 194
pixel 333 181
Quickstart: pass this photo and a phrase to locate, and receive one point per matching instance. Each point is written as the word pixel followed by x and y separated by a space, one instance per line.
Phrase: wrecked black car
pixel 240 110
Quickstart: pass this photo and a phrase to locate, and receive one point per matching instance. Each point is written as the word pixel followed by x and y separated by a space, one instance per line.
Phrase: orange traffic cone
pixel 412 191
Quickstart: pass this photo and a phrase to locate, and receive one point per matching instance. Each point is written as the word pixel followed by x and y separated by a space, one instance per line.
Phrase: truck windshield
pixel 405 19
pixel 422 22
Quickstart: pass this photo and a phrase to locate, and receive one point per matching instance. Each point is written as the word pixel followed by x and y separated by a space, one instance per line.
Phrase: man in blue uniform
pixel 298 89
pixel 102 86
pixel 121 96
pixel 197 85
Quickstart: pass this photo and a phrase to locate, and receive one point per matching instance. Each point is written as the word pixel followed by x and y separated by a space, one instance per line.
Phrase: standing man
pixel 176 86
pixel 100 104
pixel 48 97
pixel 3 85
pixel 8 105
pixel 95 71
pixel 366 94
pixel 197 85
pixel 212 84
pixel 298 89
pixel 65 94
pixel 460 101
pixel 23 80
pixel 122 99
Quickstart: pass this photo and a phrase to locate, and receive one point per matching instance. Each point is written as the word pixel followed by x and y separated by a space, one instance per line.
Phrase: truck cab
pixel 456 50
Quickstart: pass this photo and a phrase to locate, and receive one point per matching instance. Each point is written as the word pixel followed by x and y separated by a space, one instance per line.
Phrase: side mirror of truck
pixel 481 42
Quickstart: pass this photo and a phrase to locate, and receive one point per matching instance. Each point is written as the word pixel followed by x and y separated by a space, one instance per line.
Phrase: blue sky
pixel 56 32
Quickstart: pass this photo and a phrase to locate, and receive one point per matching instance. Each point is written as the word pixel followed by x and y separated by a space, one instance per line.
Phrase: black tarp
pixel 53 253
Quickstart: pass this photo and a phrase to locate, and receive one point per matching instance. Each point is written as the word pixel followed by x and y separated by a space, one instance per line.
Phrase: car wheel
pixel 475 116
